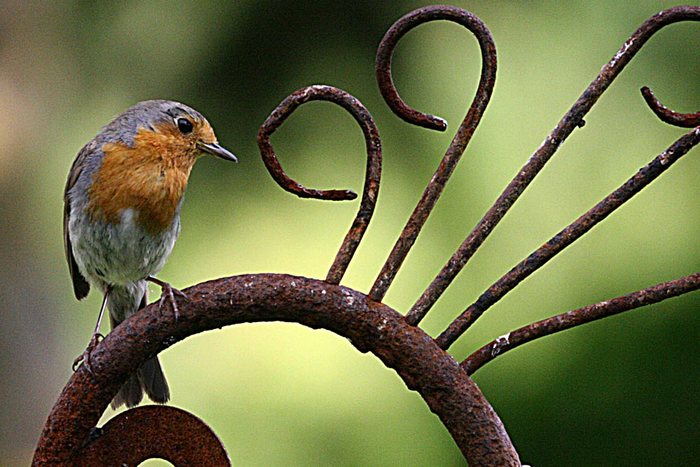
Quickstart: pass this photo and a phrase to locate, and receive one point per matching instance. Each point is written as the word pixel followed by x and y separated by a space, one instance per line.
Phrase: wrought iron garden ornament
pixel 70 436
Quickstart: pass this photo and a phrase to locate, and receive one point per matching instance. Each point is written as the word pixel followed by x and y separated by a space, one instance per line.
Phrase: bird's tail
pixel 149 379
pixel 124 301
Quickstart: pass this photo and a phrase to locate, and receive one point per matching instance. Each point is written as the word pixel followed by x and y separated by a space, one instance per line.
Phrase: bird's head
pixel 173 130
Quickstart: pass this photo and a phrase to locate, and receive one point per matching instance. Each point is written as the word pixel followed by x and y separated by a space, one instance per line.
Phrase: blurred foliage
pixel 620 391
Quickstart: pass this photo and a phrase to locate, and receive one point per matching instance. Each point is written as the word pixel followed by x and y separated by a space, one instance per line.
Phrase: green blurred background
pixel 620 391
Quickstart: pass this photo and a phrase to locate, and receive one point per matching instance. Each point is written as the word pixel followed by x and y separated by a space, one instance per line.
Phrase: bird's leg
pixel 84 358
pixel 168 292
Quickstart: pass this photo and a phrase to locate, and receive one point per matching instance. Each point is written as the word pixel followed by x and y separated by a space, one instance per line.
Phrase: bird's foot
pixel 168 293
pixel 84 358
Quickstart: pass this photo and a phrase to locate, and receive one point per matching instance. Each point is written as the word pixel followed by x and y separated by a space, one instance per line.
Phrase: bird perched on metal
pixel 122 216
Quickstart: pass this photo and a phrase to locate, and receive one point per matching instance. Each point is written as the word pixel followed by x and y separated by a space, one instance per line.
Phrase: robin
pixel 121 216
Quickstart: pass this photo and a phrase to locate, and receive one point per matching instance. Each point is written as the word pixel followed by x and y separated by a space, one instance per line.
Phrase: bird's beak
pixel 216 150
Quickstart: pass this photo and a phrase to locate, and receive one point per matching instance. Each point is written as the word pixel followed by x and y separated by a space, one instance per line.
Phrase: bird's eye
pixel 184 125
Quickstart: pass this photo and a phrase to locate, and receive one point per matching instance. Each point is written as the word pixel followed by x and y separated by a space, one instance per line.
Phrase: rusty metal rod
pixel 572 120
pixel 370 191
pixel 569 235
pixel 464 132
pixel 578 317
pixel 368 325
pixel 667 115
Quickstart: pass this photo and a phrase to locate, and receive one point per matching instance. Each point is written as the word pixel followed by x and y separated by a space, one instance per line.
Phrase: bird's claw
pixel 169 292
pixel 84 358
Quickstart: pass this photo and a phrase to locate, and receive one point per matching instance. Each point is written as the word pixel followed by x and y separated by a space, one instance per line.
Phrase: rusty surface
pixel 573 119
pixel 667 115
pixel 569 235
pixel 464 132
pixel 370 327
pixel 373 171
pixel 578 317
pixel 153 431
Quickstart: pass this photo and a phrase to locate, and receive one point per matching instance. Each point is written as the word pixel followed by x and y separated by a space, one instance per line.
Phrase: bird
pixel 121 217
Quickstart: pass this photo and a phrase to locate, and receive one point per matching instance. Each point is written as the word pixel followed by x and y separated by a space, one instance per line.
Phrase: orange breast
pixel 149 177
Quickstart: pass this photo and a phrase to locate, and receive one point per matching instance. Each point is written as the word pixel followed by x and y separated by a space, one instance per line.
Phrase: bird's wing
pixel 81 287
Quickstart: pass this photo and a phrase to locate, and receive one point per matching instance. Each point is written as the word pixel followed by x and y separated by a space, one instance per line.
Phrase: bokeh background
pixel 619 391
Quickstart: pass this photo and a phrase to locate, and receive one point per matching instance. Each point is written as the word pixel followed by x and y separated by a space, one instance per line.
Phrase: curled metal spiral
pixel 154 431
pixel 667 115
pixel 459 142
pixel 373 172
